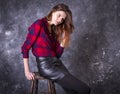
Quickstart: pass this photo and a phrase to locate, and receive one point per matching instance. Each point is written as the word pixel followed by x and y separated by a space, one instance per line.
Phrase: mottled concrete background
pixel 93 55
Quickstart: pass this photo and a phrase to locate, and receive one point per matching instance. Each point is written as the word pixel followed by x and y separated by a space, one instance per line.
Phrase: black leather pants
pixel 51 68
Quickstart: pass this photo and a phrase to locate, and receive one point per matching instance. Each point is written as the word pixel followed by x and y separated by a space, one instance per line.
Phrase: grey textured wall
pixel 94 52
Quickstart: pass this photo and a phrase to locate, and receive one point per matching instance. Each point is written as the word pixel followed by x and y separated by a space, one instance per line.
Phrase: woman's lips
pixel 56 22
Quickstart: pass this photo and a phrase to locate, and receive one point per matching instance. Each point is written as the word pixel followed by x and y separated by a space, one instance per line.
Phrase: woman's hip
pixel 51 67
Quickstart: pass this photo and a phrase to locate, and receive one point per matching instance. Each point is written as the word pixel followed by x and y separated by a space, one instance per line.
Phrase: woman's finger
pixel 32 76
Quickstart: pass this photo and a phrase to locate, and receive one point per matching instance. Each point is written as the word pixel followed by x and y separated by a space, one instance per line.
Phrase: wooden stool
pixel 34 85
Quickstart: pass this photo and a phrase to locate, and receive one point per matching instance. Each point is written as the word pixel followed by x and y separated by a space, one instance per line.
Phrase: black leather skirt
pixel 51 68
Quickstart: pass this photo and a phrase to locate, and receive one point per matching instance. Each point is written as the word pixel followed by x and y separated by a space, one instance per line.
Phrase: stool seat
pixel 34 85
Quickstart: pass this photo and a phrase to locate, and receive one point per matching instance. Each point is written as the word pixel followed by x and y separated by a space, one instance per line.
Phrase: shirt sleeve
pixel 59 49
pixel 34 31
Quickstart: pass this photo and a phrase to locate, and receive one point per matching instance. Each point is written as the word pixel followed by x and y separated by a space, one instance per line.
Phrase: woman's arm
pixel 29 75
pixel 34 30
pixel 60 48
pixel 31 37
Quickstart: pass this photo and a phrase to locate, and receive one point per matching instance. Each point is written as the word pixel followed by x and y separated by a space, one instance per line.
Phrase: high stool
pixel 34 85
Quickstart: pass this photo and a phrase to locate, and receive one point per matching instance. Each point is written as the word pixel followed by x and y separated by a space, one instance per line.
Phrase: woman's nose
pixel 60 20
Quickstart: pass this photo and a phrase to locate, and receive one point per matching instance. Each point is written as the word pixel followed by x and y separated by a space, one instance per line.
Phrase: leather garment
pixel 51 68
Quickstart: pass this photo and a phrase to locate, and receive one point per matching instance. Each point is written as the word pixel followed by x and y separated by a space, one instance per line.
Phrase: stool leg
pixel 32 87
pixel 52 86
pixel 36 86
pixel 49 87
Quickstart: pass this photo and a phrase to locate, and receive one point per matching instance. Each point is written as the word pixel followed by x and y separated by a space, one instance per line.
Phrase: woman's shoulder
pixel 40 21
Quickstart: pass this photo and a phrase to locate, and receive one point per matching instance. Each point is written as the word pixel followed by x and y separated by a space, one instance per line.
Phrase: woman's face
pixel 58 17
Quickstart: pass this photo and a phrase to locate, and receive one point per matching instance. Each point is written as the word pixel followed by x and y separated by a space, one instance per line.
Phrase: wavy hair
pixel 63 30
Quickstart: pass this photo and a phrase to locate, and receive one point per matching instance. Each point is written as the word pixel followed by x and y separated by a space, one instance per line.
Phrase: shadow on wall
pixel 89 51
pixel 90 44
pixel 109 86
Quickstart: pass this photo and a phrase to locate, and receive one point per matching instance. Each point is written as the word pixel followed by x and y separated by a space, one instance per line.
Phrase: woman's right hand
pixel 29 75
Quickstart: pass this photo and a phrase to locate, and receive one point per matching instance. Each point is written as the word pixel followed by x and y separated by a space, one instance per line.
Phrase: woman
pixel 48 37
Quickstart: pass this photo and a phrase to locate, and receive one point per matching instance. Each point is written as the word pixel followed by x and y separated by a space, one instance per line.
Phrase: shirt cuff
pixel 25 55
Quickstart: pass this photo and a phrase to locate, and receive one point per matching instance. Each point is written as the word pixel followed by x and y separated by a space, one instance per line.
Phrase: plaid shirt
pixel 41 41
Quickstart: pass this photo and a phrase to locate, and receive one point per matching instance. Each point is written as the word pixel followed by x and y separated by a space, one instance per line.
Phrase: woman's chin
pixel 55 24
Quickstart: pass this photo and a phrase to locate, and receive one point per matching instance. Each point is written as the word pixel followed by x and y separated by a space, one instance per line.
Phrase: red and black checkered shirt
pixel 41 41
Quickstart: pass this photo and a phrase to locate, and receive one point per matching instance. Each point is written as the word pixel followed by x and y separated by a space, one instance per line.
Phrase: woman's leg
pixel 70 91
pixel 73 86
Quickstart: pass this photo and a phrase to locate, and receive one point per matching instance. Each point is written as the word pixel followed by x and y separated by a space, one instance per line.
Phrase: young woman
pixel 48 37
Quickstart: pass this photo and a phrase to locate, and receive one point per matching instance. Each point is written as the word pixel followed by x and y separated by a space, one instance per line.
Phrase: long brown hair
pixel 64 29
